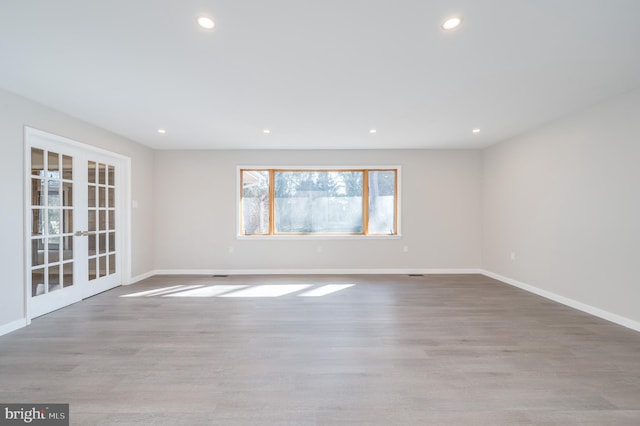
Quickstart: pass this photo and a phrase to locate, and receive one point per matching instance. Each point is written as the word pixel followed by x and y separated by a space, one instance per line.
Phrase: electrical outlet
pixel 513 255
pixel 405 249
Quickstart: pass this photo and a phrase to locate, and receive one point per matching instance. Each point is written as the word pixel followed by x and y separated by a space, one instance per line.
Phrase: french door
pixel 74 233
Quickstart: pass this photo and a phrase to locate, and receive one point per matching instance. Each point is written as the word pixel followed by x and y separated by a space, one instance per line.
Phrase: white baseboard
pixel 12 326
pixel 601 313
pixel 313 271
pixel 141 277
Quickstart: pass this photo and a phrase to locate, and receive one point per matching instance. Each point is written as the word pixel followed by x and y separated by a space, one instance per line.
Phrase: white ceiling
pixel 319 74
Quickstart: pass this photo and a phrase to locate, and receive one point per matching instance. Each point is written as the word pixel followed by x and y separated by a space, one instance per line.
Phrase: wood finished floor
pixel 389 350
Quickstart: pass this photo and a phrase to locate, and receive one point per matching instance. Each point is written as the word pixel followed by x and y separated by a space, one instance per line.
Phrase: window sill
pixel 317 237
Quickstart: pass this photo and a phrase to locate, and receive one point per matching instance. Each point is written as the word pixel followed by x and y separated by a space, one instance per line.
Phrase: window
pixel 318 202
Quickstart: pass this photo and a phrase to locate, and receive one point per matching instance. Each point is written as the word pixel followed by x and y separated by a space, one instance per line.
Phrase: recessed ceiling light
pixel 476 130
pixel 266 131
pixel 372 131
pixel 206 22
pixel 162 131
pixel 451 23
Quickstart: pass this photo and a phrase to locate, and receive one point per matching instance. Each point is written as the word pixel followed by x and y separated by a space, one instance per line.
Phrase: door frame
pixel 123 208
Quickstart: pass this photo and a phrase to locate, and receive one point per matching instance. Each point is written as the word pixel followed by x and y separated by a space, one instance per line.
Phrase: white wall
pixel 566 199
pixel 17 112
pixel 195 213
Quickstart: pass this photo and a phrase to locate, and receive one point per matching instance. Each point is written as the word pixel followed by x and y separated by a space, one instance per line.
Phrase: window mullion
pixel 272 201
pixel 365 202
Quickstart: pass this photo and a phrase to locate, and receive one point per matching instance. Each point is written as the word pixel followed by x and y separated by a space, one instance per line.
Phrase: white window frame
pixel 238 190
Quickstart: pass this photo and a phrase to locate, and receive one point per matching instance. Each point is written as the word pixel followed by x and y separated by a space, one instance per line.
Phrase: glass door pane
pixel 51 221
pixel 101 210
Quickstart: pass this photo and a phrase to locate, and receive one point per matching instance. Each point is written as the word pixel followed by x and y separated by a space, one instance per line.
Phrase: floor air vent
pixel 416 275
pixel 221 276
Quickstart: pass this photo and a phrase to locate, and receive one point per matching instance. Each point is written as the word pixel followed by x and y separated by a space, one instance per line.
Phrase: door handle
pixel 84 233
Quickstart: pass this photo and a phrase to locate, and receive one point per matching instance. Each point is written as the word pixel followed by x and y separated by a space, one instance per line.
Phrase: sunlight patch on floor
pixel 211 291
pixel 325 289
pixel 242 290
pixel 153 292
pixel 272 290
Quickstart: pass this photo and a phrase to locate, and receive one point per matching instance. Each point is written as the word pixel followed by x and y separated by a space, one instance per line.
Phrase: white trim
pixel 126 244
pixel 52 136
pixel 371 271
pixel 26 222
pixel 297 237
pixel 12 326
pixel 592 310
pixel 297 167
pixel 141 277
